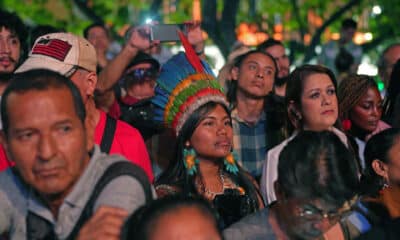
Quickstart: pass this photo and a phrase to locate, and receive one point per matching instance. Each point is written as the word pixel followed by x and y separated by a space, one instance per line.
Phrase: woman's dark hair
pixel 393 91
pixel 176 174
pixel 295 87
pixel 377 147
pixel 232 87
pixel 317 165
pixel 144 220
pixel 40 80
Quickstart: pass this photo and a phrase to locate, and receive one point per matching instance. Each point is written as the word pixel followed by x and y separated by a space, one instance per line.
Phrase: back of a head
pixel 142 224
pixel 393 89
pixel 317 165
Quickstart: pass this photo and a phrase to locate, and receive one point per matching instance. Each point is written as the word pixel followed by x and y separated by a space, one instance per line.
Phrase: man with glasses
pixel 131 94
pixel 75 58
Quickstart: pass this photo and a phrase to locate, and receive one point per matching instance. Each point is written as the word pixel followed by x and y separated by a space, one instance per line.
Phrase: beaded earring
pixel 190 161
pixel 230 162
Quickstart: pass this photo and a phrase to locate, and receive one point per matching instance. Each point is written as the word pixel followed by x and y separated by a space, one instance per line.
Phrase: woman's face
pixel 213 136
pixel 368 111
pixel 319 107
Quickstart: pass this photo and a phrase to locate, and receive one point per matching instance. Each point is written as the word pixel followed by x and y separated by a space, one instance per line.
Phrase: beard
pixel 5 77
pixel 280 81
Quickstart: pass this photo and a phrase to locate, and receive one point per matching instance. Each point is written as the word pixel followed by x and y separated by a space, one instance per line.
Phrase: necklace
pixel 208 194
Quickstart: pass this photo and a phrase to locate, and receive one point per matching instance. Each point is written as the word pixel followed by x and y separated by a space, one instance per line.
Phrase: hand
pixel 195 35
pixel 140 38
pixel 106 223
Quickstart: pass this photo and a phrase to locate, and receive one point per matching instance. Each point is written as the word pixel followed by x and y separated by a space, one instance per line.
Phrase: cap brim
pixel 36 62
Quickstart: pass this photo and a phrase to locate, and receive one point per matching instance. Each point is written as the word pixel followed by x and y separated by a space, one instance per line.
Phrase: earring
pixel 346 124
pixel 190 161
pixel 298 116
pixel 230 162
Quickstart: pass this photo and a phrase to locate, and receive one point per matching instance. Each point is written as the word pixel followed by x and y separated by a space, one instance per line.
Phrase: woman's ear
pixel 235 73
pixel 187 144
pixel 380 168
pixel 294 114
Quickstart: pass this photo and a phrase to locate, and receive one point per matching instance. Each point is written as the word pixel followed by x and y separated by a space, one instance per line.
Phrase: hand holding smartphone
pixel 166 32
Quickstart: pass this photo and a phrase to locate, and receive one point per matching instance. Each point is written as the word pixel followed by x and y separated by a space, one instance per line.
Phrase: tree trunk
pixel 222 32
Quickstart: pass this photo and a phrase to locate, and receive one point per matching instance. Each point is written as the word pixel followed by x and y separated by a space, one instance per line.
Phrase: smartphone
pixel 166 32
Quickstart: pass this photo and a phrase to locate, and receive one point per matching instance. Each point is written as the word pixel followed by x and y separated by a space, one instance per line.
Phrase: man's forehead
pixel 51 101
pixel 54 92
pixel 8 31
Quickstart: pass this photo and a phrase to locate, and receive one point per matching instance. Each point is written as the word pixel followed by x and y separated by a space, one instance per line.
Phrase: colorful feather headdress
pixel 185 84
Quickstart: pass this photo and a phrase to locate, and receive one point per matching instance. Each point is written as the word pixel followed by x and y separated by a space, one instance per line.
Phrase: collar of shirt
pixel 235 116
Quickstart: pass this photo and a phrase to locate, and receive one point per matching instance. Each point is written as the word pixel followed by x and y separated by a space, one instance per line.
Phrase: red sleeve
pixel 4 162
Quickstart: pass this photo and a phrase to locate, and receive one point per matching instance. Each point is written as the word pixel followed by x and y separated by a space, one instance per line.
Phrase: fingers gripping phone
pixel 166 32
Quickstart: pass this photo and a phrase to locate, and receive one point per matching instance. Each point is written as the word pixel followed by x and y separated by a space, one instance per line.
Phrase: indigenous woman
pixel 190 101
pixel 311 104
pixel 360 105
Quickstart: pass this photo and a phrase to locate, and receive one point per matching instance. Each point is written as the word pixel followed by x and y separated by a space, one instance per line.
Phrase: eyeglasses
pixel 142 73
pixel 312 213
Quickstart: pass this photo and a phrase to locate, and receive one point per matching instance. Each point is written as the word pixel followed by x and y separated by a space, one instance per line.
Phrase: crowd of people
pixel 101 142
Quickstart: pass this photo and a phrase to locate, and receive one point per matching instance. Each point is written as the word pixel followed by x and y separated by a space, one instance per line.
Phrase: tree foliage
pixel 220 17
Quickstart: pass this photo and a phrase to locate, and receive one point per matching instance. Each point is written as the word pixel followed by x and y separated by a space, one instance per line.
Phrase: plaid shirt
pixel 250 143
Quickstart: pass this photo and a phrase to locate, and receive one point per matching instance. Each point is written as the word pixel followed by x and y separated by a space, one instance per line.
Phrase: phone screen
pixel 165 32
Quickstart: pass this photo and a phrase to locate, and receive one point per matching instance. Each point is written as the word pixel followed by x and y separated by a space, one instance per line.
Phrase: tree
pixel 220 18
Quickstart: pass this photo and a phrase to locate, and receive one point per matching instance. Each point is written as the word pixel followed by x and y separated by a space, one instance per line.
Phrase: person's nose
pixel 46 147
pixel 326 99
pixel 4 47
pixel 222 129
pixel 260 73
pixel 376 111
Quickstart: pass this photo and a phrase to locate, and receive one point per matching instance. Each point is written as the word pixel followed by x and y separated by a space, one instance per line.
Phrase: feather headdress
pixel 185 84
